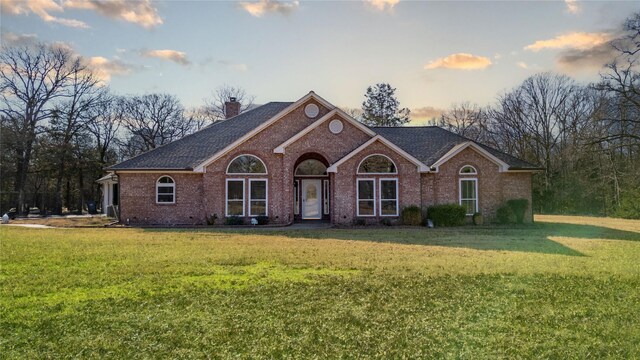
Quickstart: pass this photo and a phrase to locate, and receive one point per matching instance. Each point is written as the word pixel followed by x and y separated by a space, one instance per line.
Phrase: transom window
pixel 469 195
pixel 165 190
pixel 377 164
pixel 468 170
pixel 246 164
pixel 311 167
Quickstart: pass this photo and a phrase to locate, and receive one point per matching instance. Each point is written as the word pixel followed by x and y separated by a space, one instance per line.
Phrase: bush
pixel 411 215
pixel 447 214
pixel 386 222
pixel 262 220
pixel 505 215
pixel 234 220
pixel 629 206
pixel 519 207
pixel 359 222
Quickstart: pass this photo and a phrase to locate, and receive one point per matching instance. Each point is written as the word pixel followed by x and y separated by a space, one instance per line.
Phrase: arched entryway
pixel 311 188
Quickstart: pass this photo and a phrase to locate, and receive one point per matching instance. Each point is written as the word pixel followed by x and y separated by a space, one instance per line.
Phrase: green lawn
pixel 549 290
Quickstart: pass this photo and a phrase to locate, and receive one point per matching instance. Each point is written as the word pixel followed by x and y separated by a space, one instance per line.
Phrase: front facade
pixel 308 160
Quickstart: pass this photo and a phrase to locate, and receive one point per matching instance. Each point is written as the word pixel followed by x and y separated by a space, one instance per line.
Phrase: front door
pixel 311 199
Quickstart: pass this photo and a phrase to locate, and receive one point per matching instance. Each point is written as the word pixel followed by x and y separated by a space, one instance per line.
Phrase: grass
pixel 563 288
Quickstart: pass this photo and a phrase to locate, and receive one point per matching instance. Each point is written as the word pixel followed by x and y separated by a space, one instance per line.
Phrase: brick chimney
pixel 231 108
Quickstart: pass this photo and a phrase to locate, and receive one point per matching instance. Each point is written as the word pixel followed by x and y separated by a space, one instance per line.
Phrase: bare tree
pixel 154 120
pixel 466 119
pixel 106 119
pixel 32 77
pixel 214 108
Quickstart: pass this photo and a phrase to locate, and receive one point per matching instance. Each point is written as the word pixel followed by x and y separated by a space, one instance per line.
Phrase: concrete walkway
pixel 34 226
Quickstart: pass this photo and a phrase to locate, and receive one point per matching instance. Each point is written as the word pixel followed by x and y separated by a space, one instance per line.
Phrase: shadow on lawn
pixel 533 238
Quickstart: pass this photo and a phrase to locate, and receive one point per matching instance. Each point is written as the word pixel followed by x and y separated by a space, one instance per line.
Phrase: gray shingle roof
pixel 429 143
pixel 192 150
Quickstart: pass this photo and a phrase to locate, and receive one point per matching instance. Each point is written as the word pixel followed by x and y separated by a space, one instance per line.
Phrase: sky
pixel 434 53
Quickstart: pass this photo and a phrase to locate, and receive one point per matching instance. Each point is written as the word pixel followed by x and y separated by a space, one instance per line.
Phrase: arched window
pixel 377 164
pixel 246 164
pixel 165 190
pixel 468 170
pixel 311 167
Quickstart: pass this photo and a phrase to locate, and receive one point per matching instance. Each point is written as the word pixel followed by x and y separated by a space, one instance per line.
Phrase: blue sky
pixel 434 53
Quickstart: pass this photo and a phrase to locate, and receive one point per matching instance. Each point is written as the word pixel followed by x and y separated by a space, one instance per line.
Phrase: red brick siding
pixel 138 199
pixel 345 180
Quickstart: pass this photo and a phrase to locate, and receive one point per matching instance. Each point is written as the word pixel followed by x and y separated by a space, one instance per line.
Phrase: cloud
pixel 572 6
pixel 9 38
pixel 42 8
pixel 259 8
pixel 426 113
pixel 178 57
pixel 382 5
pixel 234 66
pixel 140 12
pixel 573 61
pixel 461 61
pixel 104 68
pixel 522 65
pixel 574 40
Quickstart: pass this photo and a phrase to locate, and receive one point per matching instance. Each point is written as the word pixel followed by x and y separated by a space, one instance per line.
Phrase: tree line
pixel 585 137
pixel 60 126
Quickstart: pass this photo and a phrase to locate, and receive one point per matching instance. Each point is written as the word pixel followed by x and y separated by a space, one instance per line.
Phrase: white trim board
pixel 311 95
pixel 421 167
pixel 280 149
pixel 459 147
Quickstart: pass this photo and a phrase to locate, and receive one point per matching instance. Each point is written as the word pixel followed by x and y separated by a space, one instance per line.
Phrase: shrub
pixel 234 220
pixel 447 214
pixel 411 215
pixel 386 222
pixel 629 206
pixel 262 220
pixel 519 207
pixel 505 215
pixel 359 222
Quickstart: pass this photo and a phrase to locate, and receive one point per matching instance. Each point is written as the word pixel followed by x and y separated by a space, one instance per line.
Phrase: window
pixel 469 195
pixel 326 197
pixel 311 167
pixel 377 164
pixel 246 164
pixel 235 197
pixel 296 197
pixel 258 197
pixel 165 190
pixel 388 197
pixel 366 197
pixel 468 170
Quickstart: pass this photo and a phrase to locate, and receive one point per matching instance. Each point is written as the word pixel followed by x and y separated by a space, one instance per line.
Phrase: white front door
pixel 311 204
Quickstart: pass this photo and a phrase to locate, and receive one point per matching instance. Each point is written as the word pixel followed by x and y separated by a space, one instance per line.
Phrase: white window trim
pixel 266 171
pixel 173 185
pixel 397 199
pixel 475 172
pixel 226 197
pixel 325 193
pixel 358 197
pixel 266 194
pixel 477 199
pixel 385 173
pixel 296 198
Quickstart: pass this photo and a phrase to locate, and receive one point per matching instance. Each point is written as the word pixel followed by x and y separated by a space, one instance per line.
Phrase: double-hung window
pixel 165 190
pixel 235 197
pixel 258 195
pixel 366 197
pixel 469 195
pixel 388 197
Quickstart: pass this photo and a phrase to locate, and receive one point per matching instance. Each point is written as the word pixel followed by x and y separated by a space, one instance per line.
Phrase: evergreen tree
pixel 381 108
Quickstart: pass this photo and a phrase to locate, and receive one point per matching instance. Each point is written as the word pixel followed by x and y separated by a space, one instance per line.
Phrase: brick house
pixel 309 160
